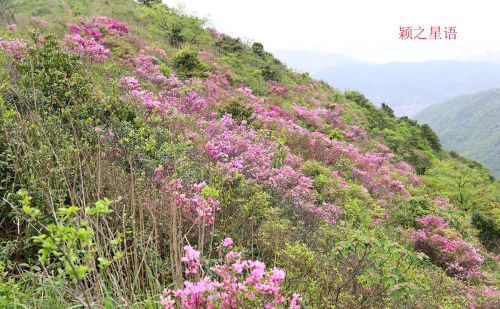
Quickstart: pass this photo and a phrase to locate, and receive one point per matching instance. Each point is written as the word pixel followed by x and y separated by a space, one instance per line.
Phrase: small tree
pixel 387 110
pixel 230 45
pixel 258 49
pixel 431 137
pixel 150 2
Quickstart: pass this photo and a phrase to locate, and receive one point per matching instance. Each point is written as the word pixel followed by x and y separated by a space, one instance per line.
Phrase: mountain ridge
pixel 407 87
pixel 469 125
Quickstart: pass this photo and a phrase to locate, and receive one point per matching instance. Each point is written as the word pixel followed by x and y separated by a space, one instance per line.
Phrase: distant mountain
pixel 408 87
pixel 470 125
pixel 312 62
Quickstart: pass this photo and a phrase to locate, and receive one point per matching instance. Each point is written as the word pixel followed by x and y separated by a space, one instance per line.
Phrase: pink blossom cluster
pixel 192 102
pixel 14 47
pixel 215 34
pixel 38 21
pixel 216 88
pixel 98 27
pixel 276 88
pixel 242 150
pixel 373 170
pixel 171 98
pixel 354 133
pixel 237 283
pixel 198 208
pixel 446 249
pixel 483 297
pixel 303 88
pixel 146 67
pixel 148 99
pixel 321 117
pixel 86 46
pixel 318 117
pixel 442 201
pixel 192 259
pixel 238 148
pixel 87 38
pixel 158 52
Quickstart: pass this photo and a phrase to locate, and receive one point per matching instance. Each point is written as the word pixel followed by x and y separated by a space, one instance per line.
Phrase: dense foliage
pixel 149 161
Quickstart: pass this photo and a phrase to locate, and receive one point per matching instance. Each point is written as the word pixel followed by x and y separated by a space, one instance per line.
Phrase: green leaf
pixel 67 210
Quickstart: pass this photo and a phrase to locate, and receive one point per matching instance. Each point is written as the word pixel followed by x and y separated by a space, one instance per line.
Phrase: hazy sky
pixel 365 29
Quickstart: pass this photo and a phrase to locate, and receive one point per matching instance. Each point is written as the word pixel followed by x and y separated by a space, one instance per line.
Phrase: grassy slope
pixel 279 237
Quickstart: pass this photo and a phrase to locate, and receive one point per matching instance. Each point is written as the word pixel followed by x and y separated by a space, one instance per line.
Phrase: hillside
pixel 409 87
pixel 148 161
pixel 469 125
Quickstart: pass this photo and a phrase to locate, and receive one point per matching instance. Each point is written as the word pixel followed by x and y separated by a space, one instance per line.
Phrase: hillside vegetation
pixel 148 161
pixel 469 125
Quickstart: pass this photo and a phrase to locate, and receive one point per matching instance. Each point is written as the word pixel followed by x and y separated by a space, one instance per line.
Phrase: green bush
pixel 258 49
pixel 237 108
pixel 230 45
pixel 271 71
pixel 187 64
pixel 55 74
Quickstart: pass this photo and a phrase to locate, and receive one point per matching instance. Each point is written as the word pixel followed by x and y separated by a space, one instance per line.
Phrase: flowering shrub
pixel 87 37
pixel 86 46
pixel 237 283
pixel 146 97
pixel 373 170
pixel 276 88
pixel 98 27
pixel 197 204
pixel 240 149
pixel 442 201
pixel 15 48
pixel 445 248
pixel 190 102
pixel 192 259
pixel 216 34
pixel 39 22
pixel 147 68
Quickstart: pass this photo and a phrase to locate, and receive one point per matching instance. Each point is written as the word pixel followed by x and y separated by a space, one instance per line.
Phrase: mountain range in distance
pixel 407 87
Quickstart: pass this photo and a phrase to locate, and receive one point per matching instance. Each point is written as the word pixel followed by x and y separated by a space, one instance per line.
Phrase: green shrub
pixel 270 71
pixel 230 45
pixel 237 108
pixel 55 74
pixel 258 49
pixel 187 64
pixel 406 215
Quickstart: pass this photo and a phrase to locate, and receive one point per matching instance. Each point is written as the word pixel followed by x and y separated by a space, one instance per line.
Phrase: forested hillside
pixel 148 161
pixel 469 125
